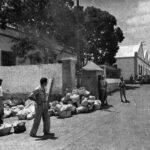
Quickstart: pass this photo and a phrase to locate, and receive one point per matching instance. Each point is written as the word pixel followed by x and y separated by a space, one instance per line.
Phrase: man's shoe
pixel 32 135
pixel 50 134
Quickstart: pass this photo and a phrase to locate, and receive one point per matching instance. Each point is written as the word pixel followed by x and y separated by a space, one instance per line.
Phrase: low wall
pixel 112 84
pixel 23 79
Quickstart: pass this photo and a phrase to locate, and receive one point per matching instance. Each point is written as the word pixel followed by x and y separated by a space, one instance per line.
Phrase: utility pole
pixel 78 46
pixel 77 3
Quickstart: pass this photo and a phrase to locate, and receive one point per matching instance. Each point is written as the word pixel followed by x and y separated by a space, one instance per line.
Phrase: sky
pixel 133 17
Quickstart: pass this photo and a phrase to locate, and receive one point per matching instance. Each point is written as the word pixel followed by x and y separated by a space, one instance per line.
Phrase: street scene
pixel 74 74
pixel 122 126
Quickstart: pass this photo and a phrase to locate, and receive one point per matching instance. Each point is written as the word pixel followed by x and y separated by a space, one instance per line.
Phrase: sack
pixel 51 112
pixel 30 108
pixel 97 104
pixel 21 107
pixel 84 102
pixel 82 91
pixel 87 93
pixel 5 129
pixel 90 105
pixel 75 91
pixel 65 114
pixel 30 116
pixel 7 112
pixel 75 98
pixel 22 114
pixel 70 107
pixel 15 110
pixel 91 97
pixel 8 103
pixel 58 107
pixel 82 109
pixel 19 127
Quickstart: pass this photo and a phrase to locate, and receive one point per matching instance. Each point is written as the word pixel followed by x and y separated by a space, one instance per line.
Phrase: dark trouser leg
pixel 102 97
pixel 37 120
pixel 124 94
pixel 106 98
pixel 46 120
pixel 1 114
pixel 121 93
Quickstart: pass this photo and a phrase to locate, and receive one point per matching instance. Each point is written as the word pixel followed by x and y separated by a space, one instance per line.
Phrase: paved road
pixel 125 126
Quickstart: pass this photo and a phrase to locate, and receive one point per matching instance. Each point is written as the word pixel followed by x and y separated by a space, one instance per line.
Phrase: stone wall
pixel 127 67
pixel 112 85
pixel 23 79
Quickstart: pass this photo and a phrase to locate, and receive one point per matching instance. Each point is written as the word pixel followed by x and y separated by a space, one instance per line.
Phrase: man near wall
pixel 103 91
pixel 40 97
pixel 122 87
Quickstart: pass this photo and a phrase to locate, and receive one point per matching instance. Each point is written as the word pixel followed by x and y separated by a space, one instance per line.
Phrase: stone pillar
pixel 68 73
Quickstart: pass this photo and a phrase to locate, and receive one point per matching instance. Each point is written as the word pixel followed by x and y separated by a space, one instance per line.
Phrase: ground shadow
pixel 107 109
pixel 7 134
pixel 45 137
pixel 127 101
pixel 128 87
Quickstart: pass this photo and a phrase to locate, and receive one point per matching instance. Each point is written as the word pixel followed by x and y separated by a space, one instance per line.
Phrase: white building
pixel 133 60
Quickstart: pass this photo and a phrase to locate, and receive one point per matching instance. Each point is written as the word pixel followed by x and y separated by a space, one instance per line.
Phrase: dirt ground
pixel 124 126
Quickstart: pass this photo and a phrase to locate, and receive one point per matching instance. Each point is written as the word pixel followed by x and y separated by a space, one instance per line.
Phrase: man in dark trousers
pixel 1 103
pixel 103 91
pixel 40 97
pixel 122 87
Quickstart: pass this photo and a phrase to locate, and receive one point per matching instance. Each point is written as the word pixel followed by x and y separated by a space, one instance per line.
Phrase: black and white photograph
pixel 74 74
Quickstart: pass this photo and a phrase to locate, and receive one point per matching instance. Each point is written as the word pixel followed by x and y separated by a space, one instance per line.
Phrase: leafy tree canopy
pixel 44 20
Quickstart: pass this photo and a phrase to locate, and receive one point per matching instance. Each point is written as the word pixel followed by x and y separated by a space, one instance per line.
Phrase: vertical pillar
pixel 135 64
pixel 68 73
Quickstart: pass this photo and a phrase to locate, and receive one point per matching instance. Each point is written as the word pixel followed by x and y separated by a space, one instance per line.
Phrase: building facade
pixel 7 57
pixel 133 61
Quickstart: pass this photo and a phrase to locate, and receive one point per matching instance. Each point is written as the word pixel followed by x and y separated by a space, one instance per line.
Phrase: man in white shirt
pixel 1 103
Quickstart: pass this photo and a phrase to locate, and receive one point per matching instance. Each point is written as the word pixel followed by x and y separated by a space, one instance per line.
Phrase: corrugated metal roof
pixel 127 51
pixel 92 66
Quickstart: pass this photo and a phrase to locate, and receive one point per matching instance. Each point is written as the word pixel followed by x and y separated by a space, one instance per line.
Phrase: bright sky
pixel 133 17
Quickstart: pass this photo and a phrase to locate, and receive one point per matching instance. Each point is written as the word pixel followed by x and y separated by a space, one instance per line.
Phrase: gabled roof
pixel 128 51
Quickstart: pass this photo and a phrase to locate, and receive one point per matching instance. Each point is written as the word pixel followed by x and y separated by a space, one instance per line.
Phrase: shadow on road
pixel 128 87
pixel 46 137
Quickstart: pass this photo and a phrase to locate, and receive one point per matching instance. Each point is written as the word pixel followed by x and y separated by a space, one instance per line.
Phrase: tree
pixel 49 22
pixel 102 36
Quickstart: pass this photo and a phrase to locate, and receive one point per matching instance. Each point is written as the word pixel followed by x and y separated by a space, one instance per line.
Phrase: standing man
pixel 1 103
pixel 122 87
pixel 103 91
pixel 40 97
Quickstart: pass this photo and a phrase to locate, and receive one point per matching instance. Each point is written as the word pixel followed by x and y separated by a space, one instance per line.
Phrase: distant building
pixel 133 61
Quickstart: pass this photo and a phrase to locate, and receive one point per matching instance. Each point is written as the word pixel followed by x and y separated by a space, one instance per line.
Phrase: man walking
pixel 1 103
pixel 39 96
pixel 122 87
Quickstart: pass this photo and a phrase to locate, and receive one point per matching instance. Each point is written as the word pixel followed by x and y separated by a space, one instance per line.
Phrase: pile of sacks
pixel 75 102
pixel 26 111
pixel 61 110
pixel 12 107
